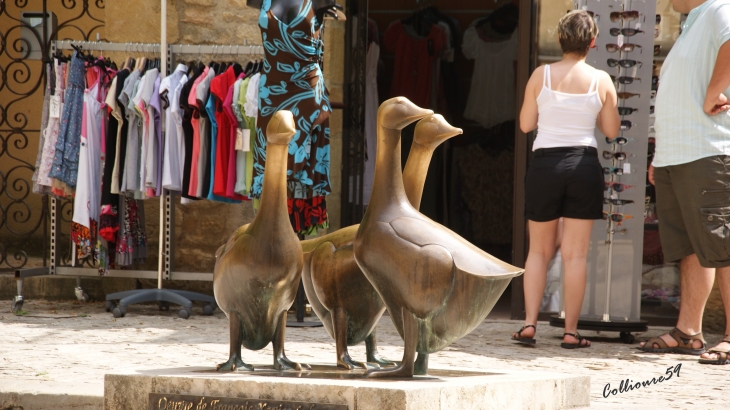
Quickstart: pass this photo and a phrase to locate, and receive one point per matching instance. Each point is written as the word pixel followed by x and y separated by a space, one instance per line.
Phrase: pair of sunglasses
pixel 626 110
pixel 612 62
pixel 625 126
pixel 617 202
pixel 615 171
pixel 619 156
pixel 628 47
pixel 628 32
pixel 625 80
pixel 616 186
pixel 626 96
pixel 624 15
pixel 657 49
pixel 654 83
pixel 616 217
pixel 619 140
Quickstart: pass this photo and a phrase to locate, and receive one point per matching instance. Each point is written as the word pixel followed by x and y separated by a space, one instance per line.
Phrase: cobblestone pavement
pixel 67 347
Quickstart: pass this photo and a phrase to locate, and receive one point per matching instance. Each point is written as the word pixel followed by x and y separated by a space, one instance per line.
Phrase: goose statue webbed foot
pixel 406 366
pixel 281 362
pixel 371 352
pixel 234 364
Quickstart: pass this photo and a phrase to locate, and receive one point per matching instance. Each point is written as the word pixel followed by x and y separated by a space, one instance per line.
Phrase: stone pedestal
pixel 443 389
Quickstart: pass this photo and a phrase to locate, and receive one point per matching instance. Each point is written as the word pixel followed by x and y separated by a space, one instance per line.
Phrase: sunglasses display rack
pixel 624 49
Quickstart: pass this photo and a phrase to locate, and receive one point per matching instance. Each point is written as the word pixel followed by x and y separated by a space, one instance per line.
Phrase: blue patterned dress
pixel 292 80
pixel 65 166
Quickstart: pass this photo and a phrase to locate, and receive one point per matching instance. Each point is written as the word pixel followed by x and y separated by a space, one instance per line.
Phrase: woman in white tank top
pixel 565 101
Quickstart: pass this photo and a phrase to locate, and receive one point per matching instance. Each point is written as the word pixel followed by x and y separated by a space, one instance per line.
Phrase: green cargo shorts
pixel 693 207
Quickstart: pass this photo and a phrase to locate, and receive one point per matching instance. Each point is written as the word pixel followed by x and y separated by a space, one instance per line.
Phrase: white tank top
pixel 566 120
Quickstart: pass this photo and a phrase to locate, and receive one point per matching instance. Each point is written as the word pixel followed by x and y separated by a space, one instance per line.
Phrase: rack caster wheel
pixel 627 337
pixel 17 305
pixel 208 310
pixel 109 305
pixel 184 314
pixel 119 311
pixel 163 306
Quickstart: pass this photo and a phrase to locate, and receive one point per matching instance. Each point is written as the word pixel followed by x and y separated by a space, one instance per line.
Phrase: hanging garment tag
pixel 239 139
pixel 627 168
pixel 243 139
pixel 246 140
pixel 55 107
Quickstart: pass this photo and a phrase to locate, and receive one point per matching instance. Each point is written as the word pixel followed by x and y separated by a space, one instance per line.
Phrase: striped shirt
pixel 684 132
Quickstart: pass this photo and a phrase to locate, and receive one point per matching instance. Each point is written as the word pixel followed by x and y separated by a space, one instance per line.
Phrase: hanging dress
pixel 65 166
pixel 52 129
pixel 292 80
pixel 87 201
pixel 50 81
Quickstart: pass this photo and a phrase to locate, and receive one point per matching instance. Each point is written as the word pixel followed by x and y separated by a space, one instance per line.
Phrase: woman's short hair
pixel 576 30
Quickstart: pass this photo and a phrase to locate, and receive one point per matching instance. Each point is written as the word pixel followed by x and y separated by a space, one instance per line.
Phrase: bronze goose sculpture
pixel 437 286
pixel 257 272
pixel 339 293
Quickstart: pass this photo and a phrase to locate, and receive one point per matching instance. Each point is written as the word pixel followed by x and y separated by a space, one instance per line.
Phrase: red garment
pixel 414 61
pixel 219 87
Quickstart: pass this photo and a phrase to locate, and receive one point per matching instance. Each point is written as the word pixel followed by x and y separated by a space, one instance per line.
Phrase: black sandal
pixel 524 340
pixel 578 345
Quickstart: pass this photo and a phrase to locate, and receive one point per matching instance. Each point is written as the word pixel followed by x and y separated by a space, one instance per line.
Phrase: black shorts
pixel 564 182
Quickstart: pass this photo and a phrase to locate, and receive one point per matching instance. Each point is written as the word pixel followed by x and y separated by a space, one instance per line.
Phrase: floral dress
pixel 50 133
pixel 292 80
pixel 66 156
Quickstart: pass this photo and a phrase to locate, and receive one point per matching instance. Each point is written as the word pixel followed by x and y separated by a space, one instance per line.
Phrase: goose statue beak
pixel 433 130
pixel 281 128
pixel 398 112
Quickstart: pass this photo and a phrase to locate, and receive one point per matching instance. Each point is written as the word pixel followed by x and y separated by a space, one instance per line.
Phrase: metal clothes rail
pixel 166 53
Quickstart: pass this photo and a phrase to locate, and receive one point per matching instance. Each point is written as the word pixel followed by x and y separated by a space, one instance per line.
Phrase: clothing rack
pixel 169 54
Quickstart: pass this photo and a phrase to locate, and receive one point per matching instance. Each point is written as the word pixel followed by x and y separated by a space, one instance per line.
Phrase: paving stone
pixel 67 347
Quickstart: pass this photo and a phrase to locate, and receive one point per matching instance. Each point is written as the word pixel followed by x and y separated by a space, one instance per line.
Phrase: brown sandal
pixel 723 356
pixel 517 337
pixel 684 344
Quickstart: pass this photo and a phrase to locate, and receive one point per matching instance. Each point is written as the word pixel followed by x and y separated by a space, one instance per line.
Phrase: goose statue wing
pixel 340 238
pixel 467 258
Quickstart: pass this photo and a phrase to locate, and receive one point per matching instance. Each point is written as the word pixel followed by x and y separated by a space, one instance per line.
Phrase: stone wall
pixel 200 228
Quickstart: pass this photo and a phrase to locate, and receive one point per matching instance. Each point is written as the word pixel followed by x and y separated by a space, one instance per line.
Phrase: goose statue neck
pixel 430 132
pixel 273 196
pixel 393 115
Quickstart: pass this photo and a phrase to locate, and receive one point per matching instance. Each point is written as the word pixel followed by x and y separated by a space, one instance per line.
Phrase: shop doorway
pixel 463 60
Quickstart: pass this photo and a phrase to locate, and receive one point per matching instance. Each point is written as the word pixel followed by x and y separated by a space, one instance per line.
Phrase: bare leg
pixel 574 247
pixel 235 362
pixel 695 284
pixel 339 328
pixel 410 339
pixel 723 282
pixel 542 249
pixel 280 360
pixel 421 366
pixel 371 350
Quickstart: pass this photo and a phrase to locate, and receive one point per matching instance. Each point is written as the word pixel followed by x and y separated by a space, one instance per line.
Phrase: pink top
pixel 195 122
pixel 231 180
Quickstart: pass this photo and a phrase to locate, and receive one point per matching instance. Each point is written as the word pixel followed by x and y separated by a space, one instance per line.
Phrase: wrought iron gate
pixel 23 32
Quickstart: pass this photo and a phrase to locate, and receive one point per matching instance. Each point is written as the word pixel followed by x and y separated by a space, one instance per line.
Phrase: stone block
pixel 146 17
pixel 453 389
